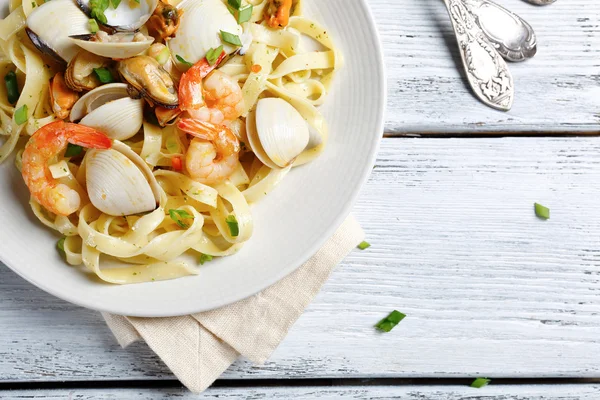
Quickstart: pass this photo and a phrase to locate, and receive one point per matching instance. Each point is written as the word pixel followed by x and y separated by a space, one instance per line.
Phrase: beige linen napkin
pixel 198 348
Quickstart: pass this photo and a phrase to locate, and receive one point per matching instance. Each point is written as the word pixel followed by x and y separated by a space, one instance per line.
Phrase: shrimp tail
pixel 87 137
pixel 190 84
pixel 200 129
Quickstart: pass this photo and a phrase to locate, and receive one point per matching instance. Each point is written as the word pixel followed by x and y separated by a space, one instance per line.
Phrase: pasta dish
pixel 145 129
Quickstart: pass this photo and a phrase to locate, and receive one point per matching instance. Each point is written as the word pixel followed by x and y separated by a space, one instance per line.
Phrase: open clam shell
pixel 119 46
pixel 128 16
pixel 110 109
pixel 200 28
pixel 50 24
pixel 119 182
pixel 276 132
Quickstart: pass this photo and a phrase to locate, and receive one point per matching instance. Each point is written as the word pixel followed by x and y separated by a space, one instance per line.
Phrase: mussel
pixel 50 24
pixel 110 109
pixel 149 80
pixel 200 30
pixel 276 132
pixel 119 182
pixel 80 75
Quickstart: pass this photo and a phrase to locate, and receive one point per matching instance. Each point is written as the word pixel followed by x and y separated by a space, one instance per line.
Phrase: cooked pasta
pixel 149 130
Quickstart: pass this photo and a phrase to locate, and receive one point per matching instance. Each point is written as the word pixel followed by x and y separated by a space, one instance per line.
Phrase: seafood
pixel 118 46
pixel 277 13
pixel 164 22
pixel 62 97
pixel 148 80
pixel 127 16
pixel 213 153
pixel 46 144
pixel 223 98
pixel 80 75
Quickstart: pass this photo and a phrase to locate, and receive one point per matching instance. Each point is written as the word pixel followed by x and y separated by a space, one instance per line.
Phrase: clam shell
pixel 128 16
pixel 277 133
pixel 117 50
pixel 119 182
pixel 119 119
pixel 50 24
pixel 96 98
pixel 200 30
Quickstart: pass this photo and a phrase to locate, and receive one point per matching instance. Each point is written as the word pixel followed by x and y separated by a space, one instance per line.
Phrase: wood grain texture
pixel 556 91
pixel 510 392
pixel 489 289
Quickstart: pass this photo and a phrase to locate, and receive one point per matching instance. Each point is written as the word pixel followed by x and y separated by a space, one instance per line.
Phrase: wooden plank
pixel 488 288
pixel 558 90
pixel 501 392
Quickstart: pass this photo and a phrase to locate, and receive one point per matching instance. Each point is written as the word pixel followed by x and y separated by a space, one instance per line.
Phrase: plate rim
pixel 274 278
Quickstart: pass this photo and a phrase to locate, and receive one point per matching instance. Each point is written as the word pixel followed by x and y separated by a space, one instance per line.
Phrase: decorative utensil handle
pixel 486 71
pixel 541 2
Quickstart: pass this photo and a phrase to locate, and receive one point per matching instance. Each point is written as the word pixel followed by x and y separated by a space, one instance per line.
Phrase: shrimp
pixel 223 98
pixel 190 84
pixel 46 144
pixel 213 153
pixel 277 13
pixel 61 97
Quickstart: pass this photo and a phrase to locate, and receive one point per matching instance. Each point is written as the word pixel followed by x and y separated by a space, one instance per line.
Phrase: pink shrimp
pixel 46 144
pixel 213 153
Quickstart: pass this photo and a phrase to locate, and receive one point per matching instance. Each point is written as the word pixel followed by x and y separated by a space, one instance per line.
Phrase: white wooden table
pixel 489 289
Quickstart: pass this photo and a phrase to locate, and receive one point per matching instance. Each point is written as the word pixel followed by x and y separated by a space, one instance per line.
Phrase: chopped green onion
pixel 205 258
pixel 364 245
pixel 244 14
pixel 97 8
pixel 103 75
pixel 234 228
pixel 12 87
pixel 21 115
pixel 137 1
pixel 93 26
pixel 541 211
pixel 231 38
pixel 183 60
pixel 73 150
pixel 60 246
pixel 235 3
pixel 115 3
pixel 213 55
pixel 163 56
pixel 390 322
pixel 178 215
pixel 480 382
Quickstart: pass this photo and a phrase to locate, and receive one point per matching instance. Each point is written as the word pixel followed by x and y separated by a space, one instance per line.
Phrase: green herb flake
pixel 60 246
pixel 364 245
pixel 183 61
pixel 390 322
pixel 12 87
pixel 163 56
pixel 244 14
pixel 213 55
pixel 21 115
pixel 204 258
pixel 541 211
pixel 480 382
pixel 115 3
pixel 93 26
pixel 234 227
pixel 231 38
pixel 235 3
pixel 178 215
pixel 73 150
pixel 104 75
pixel 97 8
pixel 33 4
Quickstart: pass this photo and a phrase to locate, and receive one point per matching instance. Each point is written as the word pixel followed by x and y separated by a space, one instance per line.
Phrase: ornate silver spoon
pixel 541 2
pixel 512 36
pixel 486 71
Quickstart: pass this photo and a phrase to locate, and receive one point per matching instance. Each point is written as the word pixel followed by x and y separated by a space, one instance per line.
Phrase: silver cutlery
pixel 512 36
pixel 541 2
pixel 486 70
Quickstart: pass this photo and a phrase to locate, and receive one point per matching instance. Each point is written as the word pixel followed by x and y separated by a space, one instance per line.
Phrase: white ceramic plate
pixel 290 224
